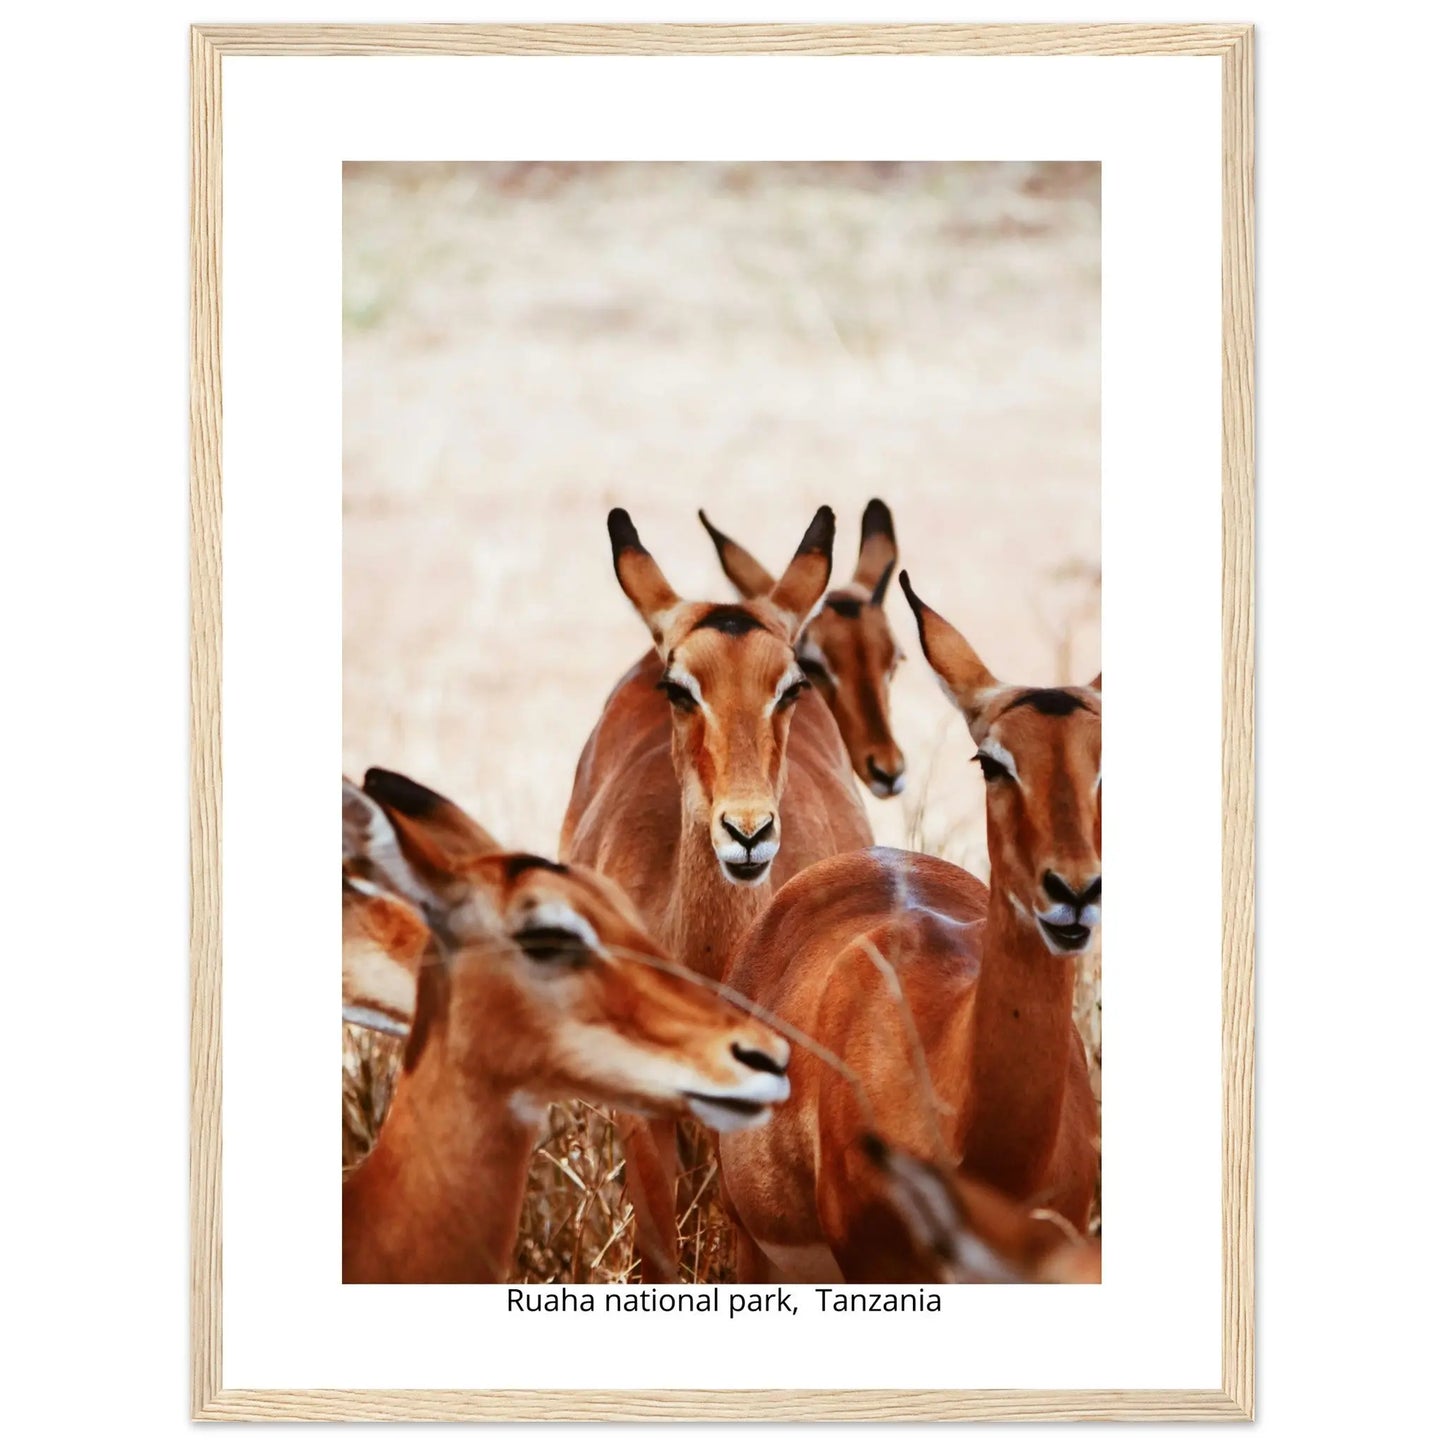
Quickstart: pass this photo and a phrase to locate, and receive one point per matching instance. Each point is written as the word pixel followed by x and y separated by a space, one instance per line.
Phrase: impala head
pixel 846 648
pixel 973 1234
pixel 730 673
pixel 542 980
pixel 1039 749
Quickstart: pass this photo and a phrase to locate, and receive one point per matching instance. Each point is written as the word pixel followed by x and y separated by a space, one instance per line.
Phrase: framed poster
pixel 628 431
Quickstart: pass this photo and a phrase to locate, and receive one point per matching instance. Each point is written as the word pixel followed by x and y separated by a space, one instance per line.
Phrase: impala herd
pixel 883 1046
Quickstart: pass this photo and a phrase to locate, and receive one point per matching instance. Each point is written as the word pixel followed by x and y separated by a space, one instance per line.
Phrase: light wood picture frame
pixel 1233 1398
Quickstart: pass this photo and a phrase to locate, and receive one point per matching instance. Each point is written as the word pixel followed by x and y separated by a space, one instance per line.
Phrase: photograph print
pixel 722 723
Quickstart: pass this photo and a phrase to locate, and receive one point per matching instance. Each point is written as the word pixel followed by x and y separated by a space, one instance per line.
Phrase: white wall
pixel 93 316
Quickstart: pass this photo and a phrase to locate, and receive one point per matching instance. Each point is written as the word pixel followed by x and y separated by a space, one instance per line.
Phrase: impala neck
pixel 1022 1033
pixel 706 914
pixel 439 1198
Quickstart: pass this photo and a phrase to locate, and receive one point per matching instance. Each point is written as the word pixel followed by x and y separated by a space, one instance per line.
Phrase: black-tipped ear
pixel 877 521
pixel 639 576
pixel 921 613
pixel 434 832
pixel 401 794
pixel 743 570
pixel 877 549
pixel 799 589
pixel 914 601
pixel 957 666
pixel 624 536
pixel 818 539
pixel 881 590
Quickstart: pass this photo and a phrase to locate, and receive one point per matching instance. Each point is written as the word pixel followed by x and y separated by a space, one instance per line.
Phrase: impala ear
pixel 966 681
pixel 1098 683
pixel 881 590
pixel 877 551
pixel 641 578
pixel 384 930
pixel 372 857
pixel 743 570
pixel 799 590
pixel 434 833
pixel 364 828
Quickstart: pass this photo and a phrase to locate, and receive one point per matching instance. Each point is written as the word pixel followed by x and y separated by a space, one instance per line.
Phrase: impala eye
pixel 813 669
pixel 793 694
pixel 553 945
pixel 993 770
pixel 677 695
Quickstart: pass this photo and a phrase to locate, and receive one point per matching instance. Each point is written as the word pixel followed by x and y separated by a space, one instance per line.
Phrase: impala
pixel 714 772
pixel 964 1232
pixel 951 1002
pixel 846 647
pixel 536 982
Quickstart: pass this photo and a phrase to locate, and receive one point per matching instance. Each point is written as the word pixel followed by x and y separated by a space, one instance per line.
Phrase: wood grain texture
pixel 789 1406
pixel 205 1181
pixel 722 39
pixel 1238 723
pixel 1235 1400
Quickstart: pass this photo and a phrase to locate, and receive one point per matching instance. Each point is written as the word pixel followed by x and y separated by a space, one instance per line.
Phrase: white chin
pixel 886 790
pixel 746 875
pixel 727 1121
pixel 1066 947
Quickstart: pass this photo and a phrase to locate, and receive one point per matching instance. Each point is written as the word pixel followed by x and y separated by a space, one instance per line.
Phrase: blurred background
pixel 529 344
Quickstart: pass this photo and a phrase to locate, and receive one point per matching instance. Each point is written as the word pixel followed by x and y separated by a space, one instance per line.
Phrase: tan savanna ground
pixel 526 346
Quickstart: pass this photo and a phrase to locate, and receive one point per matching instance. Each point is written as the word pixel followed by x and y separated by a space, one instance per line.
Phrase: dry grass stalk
pixel 369 1062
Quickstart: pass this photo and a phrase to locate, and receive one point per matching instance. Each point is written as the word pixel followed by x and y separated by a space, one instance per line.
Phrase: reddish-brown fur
pixel 990 998
pixel 626 818
pixel 536 985
pixel 654 780
pixel 966 1232
pixel 847 646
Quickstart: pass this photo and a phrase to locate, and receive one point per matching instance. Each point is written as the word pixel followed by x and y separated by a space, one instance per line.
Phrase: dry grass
pixel 528 345
pixel 369 1064
pixel 576 1225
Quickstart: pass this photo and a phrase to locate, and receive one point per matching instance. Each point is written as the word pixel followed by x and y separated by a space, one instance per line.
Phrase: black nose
pixel 750 840
pixel 756 1059
pixel 1060 891
pixel 881 775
